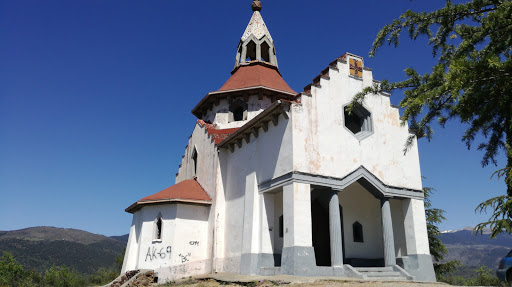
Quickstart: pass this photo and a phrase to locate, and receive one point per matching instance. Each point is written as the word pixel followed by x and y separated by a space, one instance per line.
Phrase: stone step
pixel 374 269
pixel 387 278
pixel 382 274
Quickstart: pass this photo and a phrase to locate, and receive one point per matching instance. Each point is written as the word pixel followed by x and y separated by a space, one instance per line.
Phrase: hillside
pixel 39 248
pixel 475 250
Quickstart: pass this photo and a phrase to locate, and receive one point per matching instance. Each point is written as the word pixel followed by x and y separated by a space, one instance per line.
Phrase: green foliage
pixel 471 82
pixel 120 260
pixel 103 276
pixel 62 277
pixel 10 271
pixel 484 277
pixel 40 255
pixel 12 274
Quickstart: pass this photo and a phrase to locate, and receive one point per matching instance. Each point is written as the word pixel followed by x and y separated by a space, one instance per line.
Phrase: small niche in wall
pixel 237 111
pixel 281 233
pixel 194 160
pixel 357 230
pixel 158 228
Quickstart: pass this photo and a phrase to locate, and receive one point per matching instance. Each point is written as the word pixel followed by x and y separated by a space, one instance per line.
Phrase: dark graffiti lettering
pixel 148 254
pixel 152 253
pixel 184 258
pixel 194 243
pixel 161 253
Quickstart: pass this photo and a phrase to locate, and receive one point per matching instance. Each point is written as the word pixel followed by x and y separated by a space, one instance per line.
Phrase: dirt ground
pixel 208 282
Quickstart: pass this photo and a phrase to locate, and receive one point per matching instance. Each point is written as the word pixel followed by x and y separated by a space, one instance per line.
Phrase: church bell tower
pixel 255 81
pixel 256 43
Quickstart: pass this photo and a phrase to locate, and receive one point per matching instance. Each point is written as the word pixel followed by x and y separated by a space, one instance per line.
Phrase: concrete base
pixel 418 265
pixel 250 264
pixel 298 260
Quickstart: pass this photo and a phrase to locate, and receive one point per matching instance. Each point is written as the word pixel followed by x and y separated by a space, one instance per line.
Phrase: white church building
pixel 278 182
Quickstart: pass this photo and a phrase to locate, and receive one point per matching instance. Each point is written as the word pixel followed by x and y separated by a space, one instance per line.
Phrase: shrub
pixel 11 272
pixel 58 276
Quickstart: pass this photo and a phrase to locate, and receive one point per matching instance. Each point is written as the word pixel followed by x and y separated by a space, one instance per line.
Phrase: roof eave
pixel 139 204
pixel 197 108
pixel 275 108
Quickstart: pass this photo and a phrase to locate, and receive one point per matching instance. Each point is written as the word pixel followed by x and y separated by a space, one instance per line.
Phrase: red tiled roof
pixel 256 75
pixel 185 191
pixel 217 135
pixel 220 135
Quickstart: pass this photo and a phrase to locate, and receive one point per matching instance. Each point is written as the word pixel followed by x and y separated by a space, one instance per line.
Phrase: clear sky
pixel 95 98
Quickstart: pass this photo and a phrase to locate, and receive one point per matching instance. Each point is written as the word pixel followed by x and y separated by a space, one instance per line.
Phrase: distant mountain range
pixel 38 248
pixel 475 250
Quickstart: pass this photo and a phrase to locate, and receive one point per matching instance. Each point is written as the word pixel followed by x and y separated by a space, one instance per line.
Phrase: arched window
pixel 251 51
pixel 265 52
pixel 158 227
pixel 194 160
pixel 238 111
pixel 357 230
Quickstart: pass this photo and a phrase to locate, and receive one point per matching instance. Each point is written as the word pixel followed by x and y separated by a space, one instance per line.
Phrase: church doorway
pixel 320 228
pixel 321 242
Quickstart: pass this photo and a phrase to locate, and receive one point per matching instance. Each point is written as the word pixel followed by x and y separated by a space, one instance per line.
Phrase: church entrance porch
pixel 348 228
pixel 328 232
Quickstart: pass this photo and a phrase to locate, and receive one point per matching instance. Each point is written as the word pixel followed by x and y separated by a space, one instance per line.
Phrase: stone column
pixel 258 52
pixel 387 233
pixel 271 55
pixel 298 256
pixel 251 227
pixel 244 54
pixel 335 230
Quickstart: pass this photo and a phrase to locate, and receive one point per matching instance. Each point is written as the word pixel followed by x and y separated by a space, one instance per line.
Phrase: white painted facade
pixel 270 182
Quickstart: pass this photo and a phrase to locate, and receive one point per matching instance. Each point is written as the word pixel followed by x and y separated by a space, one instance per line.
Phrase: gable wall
pixel 323 145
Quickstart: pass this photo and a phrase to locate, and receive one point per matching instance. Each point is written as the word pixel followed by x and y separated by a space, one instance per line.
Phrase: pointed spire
pixel 256 43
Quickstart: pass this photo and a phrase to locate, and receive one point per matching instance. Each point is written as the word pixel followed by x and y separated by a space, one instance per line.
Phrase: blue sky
pixel 95 98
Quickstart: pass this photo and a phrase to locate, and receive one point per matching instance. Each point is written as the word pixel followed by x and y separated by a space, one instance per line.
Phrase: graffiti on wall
pixel 184 257
pixel 156 253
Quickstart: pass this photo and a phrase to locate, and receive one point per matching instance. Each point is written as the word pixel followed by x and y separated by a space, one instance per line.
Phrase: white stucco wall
pixel 207 160
pixel 361 206
pixel 264 158
pixel 398 227
pixel 131 255
pixel 323 145
pixel 153 253
pixel 209 178
pixel 183 247
pixel 415 225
